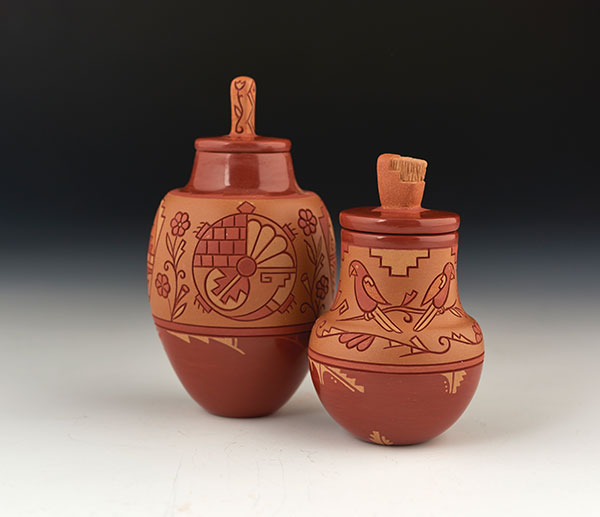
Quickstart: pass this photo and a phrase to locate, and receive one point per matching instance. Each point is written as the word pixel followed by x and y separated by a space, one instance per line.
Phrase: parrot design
pixel 436 296
pixel 369 298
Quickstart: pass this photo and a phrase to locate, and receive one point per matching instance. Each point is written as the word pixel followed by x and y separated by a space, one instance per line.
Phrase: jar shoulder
pixel 398 307
pixel 180 195
pixel 286 209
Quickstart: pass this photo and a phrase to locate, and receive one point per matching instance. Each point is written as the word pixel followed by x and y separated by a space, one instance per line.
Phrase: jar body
pixel 235 285
pixel 396 360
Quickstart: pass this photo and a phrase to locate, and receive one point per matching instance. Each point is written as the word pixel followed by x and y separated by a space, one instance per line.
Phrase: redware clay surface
pixel 375 219
pixel 396 359
pixel 278 361
pixel 240 264
pixel 393 407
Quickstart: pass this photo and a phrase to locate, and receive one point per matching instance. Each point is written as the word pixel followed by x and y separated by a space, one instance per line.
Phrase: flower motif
pixel 162 285
pixel 180 223
pixel 307 221
pixel 322 287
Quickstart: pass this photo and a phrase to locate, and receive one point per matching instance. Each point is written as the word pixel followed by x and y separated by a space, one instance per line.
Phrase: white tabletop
pixel 95 422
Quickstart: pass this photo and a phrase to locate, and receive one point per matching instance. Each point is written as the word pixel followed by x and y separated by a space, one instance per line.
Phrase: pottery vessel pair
pixel 242 265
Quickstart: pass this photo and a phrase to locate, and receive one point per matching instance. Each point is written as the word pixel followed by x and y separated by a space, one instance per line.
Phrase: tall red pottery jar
pixel 240 264
pixel 396 360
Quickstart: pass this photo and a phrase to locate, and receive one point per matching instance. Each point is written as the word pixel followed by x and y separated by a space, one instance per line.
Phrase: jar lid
pixel 401 183
pixel 242 138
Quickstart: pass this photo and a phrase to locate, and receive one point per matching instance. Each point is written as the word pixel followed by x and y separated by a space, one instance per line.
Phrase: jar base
pixel 238 377
pixel 394 408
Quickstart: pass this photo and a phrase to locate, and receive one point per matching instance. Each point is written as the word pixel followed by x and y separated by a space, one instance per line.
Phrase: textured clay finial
pixel 401 181
pixel 243 102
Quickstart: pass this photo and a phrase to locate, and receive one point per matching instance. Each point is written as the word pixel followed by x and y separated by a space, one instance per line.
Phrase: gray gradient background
pixel 100 104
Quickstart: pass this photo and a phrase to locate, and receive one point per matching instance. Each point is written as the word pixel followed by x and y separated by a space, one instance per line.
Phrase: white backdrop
pixel 94 422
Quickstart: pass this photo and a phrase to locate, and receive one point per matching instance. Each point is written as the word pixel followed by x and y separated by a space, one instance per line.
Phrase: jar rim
pixel 256 144
pixel 372 219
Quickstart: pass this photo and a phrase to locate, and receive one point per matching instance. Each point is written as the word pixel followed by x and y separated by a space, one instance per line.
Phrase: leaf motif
pixel 377 437
pixel 183 290
pixel 179 311
pixel 349 382
pixel 169 245
pixel 453 380
pixel 320 246
pixel 409 297
pixel 321 260
pixel 337 375
pixel 311 252
pixel 180 251
pixel 238 111
pixel 305 282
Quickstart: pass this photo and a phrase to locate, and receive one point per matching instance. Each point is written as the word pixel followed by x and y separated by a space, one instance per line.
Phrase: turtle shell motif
pixel 245 266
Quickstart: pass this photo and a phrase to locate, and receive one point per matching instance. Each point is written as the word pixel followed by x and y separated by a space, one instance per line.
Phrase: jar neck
pixel 242 174
pixel 402 266
pixel 399 242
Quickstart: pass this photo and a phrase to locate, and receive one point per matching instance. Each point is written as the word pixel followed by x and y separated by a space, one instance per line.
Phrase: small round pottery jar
pixel 396 360
pixel 241 262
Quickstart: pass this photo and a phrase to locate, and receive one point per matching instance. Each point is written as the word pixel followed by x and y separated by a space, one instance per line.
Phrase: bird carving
pixel 369 298
pixel 436 297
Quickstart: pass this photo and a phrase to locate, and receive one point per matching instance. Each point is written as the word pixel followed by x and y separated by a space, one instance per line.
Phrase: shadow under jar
pixel 396 360
pixel 241 262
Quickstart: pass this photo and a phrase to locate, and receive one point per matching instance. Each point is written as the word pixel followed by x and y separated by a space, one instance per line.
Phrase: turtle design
pixel 245 266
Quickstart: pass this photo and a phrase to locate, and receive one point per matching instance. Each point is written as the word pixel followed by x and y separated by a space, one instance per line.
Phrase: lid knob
pixel 401 181
pixel 243 102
